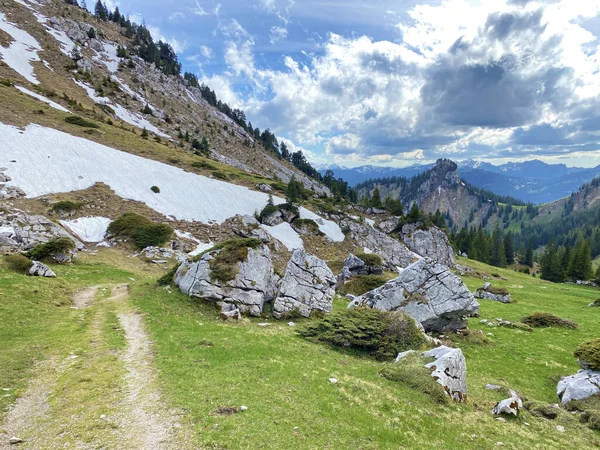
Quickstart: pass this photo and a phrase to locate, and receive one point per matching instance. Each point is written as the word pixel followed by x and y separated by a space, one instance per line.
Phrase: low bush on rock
pixel 224 266
pixel 65 206
pixel 411 370
pixel 51 248
pixel 155 189
pixel 141 230
pixel 370 259
pixel 307 224
pixel 546 320
pixel 362 284
pixel 19 263
pixel 168 277
pixel 495 290
pixel 381 334
pixel 81 122
pixel 589 353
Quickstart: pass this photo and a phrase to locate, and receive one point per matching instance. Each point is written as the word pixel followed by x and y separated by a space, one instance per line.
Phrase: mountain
pixel 530 181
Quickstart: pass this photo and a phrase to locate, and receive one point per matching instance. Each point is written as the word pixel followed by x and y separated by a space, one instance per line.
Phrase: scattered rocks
pixel 308 284
pixel 491 293
pixel 493 387
pixel 229 311
pixel 333 380
pixel 41 270
pixel 583 384
pixel 450 371
pixel 353 266
pixel 510 405
pixel 389 225
pixel 429 293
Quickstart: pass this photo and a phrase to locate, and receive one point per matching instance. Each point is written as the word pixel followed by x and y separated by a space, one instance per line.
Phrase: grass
pixel 361 284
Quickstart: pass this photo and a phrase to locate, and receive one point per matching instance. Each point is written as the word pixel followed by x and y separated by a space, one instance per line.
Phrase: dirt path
pixel 126 410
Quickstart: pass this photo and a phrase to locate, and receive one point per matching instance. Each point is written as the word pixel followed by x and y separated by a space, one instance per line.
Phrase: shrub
pixel 495 290
pixel 269 209
pixel 382 334
pixel 167 278
pixel 370 259
pixel 19 263
pixel 308 224
pixel 544 410
pixel 411 370
pixel 155 189
pixel 81 122
pixel 142 230
pixel 589 352
pixel 545 320
pixel 66 206
pixel 219 175
pixel 51 248
pixel 224 265
pixel 361 284
pixel 203 165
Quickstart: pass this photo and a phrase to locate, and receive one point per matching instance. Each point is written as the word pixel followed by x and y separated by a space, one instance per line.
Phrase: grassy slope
pixel 205 364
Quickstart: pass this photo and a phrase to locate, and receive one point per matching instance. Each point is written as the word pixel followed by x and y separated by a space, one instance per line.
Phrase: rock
pixel 392 252
pixel 560 428
pixel 583 384
pixel 333 380
pixel 4 178
pixel 308 284
pixel 432 243
pixel 15 440
pixel 403 355
pixel 11 192
pixel 429 293
pixel 510 405
pixel 354 266
pixel 41 270
pixel 389 225
pixel 264 187
pixel 495 294
pixel 291 324
pixel 492 387
pixel 248 291
pixel 229 311
pixel 273 219
pixel 243 408
pixel 96 45
pixel 449 370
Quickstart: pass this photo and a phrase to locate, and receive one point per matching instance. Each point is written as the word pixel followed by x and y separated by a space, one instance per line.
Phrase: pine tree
pixel 145 133
pixel 551 267
pixel 147 110
pixel 285 153
pixel 498 257
pixel 292 192
pixel 375 199
pixel 100 11
pixel 116 17
pixel 509 250
pixel 414 214
pixel 528 261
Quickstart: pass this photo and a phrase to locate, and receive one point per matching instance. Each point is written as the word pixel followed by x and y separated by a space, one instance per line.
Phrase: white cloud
pixel 199 10
pixel 157 35
pixel 207 52
pixel 277 34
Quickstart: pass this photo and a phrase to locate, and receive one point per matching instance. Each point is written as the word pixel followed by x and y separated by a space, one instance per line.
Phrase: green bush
pixel 308 224
pixel 81 122
pixel 381 334
pixel 167 278
pixel 142 230
pixel 370 259
pixel 590 353
pixel 411 371
pixel 203 165
pixel 269 209
pixel 66 206
pixel 19 263
pixel 155 189
pixel 224 265
pixel 51 248
pixel 361 284
pixel 545 320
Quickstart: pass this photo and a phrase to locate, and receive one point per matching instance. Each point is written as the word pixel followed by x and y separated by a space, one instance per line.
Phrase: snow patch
pixel 43 99
pixel 88 229
pixel 201 247
pixel 367 251
pixel 21 52
pixel 49 161
pixel 108 57
pixel 286 234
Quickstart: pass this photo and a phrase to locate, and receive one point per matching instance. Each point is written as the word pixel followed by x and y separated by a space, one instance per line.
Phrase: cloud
pixel 207 52
pixel 199 10
pixel 280 8
pixel 157 35
pixel 277 34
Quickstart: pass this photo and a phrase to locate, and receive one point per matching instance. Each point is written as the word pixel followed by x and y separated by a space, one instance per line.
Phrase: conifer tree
pixel 509 250
pixel 292 192
pixel 414 214
pixel 375 199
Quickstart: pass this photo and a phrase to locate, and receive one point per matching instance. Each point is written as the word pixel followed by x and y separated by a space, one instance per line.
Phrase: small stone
pixel 291 324
pixel 492 387
pixel 103 416
pixel 560 428
pixel 500 419
pixel 15 440
pixel 243 408
pixel 499 444
pixel 526 424
pixel 333 380
pixel 296 428
pixel 264 324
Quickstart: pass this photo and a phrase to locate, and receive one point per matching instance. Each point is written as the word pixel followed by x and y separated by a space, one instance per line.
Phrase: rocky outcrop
pixel 8 192
pixel 393 252
pixel 389 225
pixel 248 291
pixel 22 232
pixel 583 384
pixel 495 294
pixel 432 243
pixel 429 293
pixel 450 371
pixel 248 227
pixel 510 405
pixel 307 285
pixel 354 266
pixel 41 270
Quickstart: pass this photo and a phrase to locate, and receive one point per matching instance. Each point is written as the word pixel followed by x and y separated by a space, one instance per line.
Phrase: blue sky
pixel 399 82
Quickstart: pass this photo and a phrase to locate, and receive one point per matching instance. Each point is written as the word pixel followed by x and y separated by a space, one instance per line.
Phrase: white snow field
pixel 108 57
pixel 43 99
pixel 88 229
pixel 49 161
pixel 21 52
pixel 286 235
pixel 122 113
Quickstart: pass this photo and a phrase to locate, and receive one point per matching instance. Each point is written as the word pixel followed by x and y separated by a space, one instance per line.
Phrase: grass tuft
pixel 81 122
pixel 547 320
pixel 361 284
pixel 19 263
pixel 589 352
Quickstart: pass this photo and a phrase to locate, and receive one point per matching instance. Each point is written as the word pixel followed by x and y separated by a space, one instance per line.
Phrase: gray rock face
pixel 389 225
pixel 354 266
pixel 41 270
pixel 510 405
pixel 247 227
pixel 429 293
pixel 449 370
pixel 432 243
pixel 393 253
pixel 487 292
pixel 308 284
pixel 248 291
pixel 583 384
pixel 273 219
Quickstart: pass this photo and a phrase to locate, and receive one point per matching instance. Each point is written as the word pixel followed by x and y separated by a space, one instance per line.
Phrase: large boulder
pixel 583 384
pixel 450 371
pixel 354 266
pixel 427 291
pixel 431 242
pixel 307 285
pixel 389 225
pixel 248 291
pixel 41 270
pixel 393 253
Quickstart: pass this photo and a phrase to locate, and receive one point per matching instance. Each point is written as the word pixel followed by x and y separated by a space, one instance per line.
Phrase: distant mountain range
pixel 531 181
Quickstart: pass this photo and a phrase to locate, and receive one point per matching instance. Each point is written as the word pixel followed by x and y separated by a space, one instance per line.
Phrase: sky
pixel 401 82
